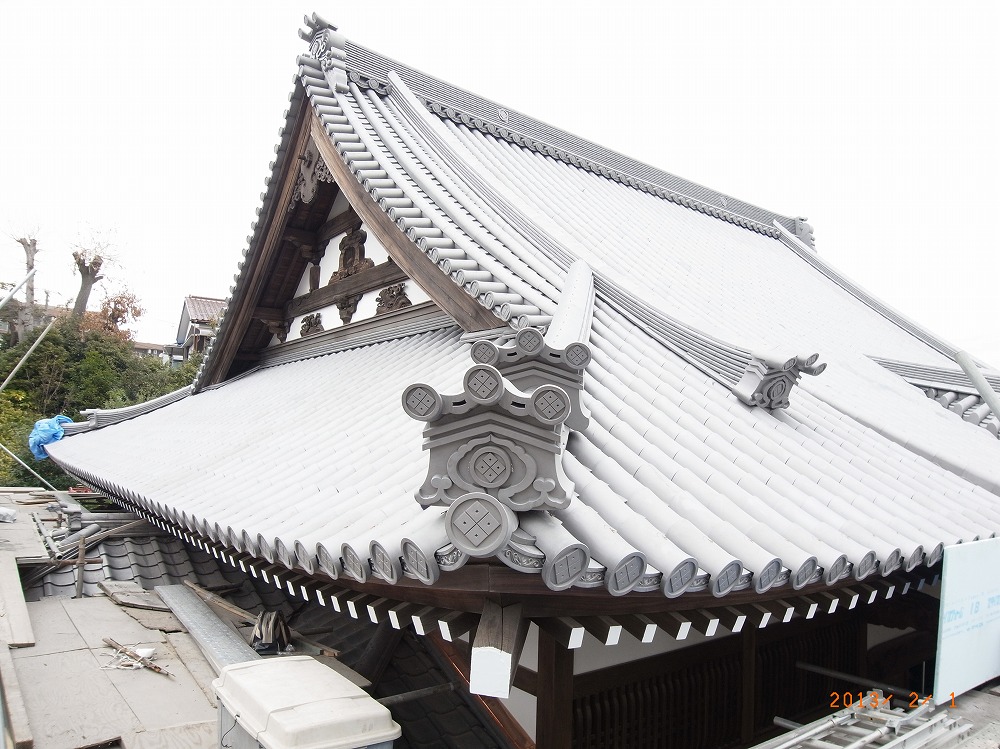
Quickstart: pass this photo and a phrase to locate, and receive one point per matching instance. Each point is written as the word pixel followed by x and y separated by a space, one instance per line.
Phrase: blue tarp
pixel 46 431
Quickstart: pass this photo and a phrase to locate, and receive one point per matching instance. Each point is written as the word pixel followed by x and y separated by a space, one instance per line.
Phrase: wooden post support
pixel 496 649
pixel 554 701
pixel 81 563
pixel 749 684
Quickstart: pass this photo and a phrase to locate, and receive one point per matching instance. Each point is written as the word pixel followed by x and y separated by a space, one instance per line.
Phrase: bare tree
pixel 26 315
pixel 88 263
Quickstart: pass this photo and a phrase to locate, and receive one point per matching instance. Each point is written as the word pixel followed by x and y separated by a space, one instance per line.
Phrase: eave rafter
pixel 466 311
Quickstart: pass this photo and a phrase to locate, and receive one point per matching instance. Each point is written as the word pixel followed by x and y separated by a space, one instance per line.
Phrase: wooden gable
pixel 298 229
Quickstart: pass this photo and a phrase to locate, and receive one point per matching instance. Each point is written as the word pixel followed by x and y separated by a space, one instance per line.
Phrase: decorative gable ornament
pixel 329 49
pixel 312 171
pixel 496 448
pixel 528 361
pixel 768 380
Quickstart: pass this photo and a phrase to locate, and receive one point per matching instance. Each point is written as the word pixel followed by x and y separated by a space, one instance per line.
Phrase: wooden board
pixel 191 736
pixel 161 620
pixel 130 593
pixel 97 618
pixel 14 709
pixel 54 631
pixel 160 701
pixel 71 702
pixel 15 624
pixel 194 661
pixel 21 537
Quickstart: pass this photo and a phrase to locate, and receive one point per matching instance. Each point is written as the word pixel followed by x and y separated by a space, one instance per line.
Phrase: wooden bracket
pixel 496 649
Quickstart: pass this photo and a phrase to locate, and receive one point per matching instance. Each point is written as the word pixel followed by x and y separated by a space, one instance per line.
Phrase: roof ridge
pixel 918 331
pixel 98 418
pixel 369 69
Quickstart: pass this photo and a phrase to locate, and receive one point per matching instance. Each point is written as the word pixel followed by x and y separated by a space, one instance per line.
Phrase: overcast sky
pixel 151 126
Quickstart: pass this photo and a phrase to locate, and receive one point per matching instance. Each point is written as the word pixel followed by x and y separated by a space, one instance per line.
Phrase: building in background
pixel 199 321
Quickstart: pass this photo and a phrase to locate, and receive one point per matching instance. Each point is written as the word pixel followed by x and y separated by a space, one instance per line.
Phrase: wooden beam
pixel 454 624
pixel 567 632
pixel 732 618
pixel 301 237
pixel 400 615
pixel 382 275
pixel 605 629
pixel 808 606
pixel 675 625
pixel 378 610
pixel 781 610
pixel 465 310
pixel 640 626
pixel 703 621
pixel 496 649
pixel 18 727
pixel 426 620
pixel 268 314
pixel 554 700
pixel 378 653
pixel 357 605
pixel 339 224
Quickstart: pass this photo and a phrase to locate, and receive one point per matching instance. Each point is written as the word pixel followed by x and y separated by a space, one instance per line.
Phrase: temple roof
pixel 706 462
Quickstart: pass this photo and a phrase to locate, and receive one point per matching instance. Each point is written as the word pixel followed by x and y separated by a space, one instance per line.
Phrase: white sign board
pixel 968 646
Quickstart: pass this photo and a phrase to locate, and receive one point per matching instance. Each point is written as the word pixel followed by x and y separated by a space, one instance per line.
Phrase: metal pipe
pixel 26 466
pixel 785 723
pixel 851 678
pixel 90 530
pixel 416 694
pixel 987 393
pixel 17 288
pixel 26 355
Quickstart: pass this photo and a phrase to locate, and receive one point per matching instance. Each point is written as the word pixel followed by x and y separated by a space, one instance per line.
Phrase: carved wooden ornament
pixel 311 324
pixel 352 261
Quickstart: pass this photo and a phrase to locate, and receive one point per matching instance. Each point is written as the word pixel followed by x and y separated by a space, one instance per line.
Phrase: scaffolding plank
pixel 15 624
pixel 221 645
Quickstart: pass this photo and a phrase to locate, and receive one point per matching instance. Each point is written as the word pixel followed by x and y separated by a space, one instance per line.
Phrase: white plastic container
pixel 295 702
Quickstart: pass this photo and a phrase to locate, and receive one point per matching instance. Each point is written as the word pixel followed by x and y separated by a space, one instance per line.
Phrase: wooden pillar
pixel 749 686
pixel 554 694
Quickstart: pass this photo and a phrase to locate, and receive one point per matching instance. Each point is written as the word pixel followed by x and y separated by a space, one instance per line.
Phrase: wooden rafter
pixel 466 311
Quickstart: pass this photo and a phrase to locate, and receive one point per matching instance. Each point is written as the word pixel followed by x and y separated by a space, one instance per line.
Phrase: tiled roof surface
pixel 149 561
pixel 285 467
pixel 314 456
pixel 203 308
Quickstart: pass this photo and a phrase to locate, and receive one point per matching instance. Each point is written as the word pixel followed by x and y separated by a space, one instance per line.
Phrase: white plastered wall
pixel 329 264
